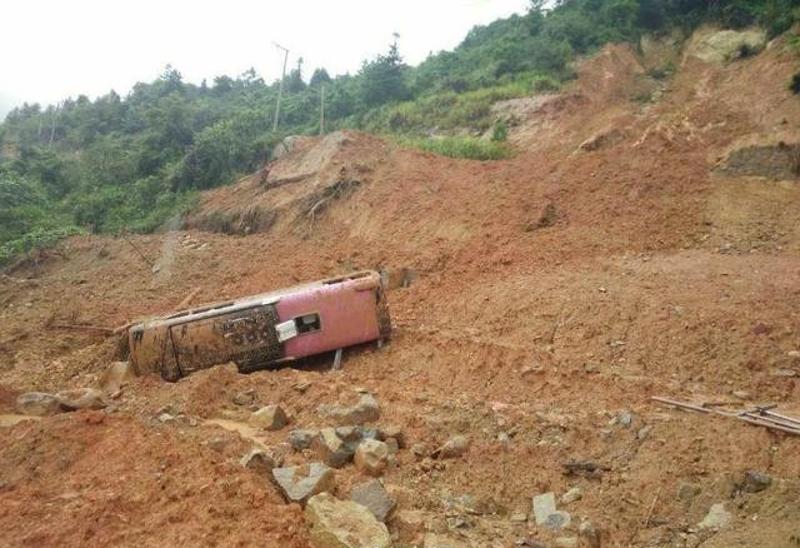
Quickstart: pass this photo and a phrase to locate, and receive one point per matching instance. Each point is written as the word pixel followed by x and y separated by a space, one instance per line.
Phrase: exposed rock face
pixel 366 410
pixel 546 515
pixel 81 398
pixel 372 457
pixel 375 498
pixel 604 139
pixel 778 161
pixel 270 417
pixel 720 46
pixel 409 525
pixel 37 404
pixel 335 523
pixel 300 483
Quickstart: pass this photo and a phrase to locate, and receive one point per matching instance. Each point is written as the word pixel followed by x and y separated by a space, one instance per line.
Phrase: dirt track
pixel 554 292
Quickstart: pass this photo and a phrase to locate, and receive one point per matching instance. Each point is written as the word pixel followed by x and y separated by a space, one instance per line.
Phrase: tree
pixel 294 82
pixel 319 77
pixel 382 79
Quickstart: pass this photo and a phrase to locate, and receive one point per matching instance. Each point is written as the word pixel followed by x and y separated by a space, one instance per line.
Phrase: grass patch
pixel 38 238
pixel 459 147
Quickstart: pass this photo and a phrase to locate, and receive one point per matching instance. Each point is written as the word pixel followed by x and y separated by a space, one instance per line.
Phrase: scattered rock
pixel 367 410
pixel 302 439
pixel 81 398
pixel 741 394
pixel 371 457
pixel 373 496
pixel 393 446
pixel 331 449
pixel 574 494
pixel 38 404
pixel 794 354
pixel 546 515
pixel 300 483
pixel 547 218
pixel 270 417
pixel 335 523
pixel 688 491
pixel 115 376
pixel 625 419
pixel 259 461
pixel 717 518
pixel 218 444
pixel 643 432
pixel 392 432
pixel 244 398
pixel 590 534
pixel 519 517
pixel 420 450
pixel 408 525
pixel 755 482
pixel 454 447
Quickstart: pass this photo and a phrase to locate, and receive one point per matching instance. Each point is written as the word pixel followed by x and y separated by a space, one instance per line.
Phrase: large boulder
pixel 366 410
pixel 373 495
pixel 81 398
pixel 37 404
pixel 300 483
pixel 270 417
pixel 116 376
pixel 334 523
pixel 332 449
pixel 372 457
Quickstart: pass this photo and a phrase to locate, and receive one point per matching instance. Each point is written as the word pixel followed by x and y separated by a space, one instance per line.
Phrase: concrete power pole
pixel 280 86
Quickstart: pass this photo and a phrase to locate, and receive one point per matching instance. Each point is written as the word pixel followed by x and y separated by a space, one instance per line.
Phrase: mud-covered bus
pixel 264 330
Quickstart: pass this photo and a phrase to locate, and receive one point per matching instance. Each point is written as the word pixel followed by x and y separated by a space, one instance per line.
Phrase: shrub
pixel 795 84
pixel 499 132
pixel 460 147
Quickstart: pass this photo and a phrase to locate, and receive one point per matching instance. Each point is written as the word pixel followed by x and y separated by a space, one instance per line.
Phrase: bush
pixel 470 148
pixel 795 84
pixel 499 132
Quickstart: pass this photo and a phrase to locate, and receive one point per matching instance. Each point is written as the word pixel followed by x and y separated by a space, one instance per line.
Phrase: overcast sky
pixel 52 49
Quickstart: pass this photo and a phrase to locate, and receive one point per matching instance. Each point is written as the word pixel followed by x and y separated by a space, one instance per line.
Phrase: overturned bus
pixel 263 330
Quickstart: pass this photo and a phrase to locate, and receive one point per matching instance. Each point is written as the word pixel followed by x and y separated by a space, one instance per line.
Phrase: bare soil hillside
pixel 639 243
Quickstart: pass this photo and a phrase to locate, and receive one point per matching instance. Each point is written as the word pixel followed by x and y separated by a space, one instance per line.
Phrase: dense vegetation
pixel 134 162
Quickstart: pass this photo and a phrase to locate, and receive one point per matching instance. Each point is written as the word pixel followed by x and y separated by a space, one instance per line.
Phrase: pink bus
pixel 262 330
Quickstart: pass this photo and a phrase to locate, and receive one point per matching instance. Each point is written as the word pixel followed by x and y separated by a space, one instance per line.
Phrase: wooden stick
pixel 139 251
pixel 337 360
pixel 189 298
pixel 652 507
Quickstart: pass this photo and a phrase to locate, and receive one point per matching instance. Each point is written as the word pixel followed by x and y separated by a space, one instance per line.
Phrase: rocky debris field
pixel 641 243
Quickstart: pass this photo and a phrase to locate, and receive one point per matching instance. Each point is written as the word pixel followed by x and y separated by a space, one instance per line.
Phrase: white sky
pixel 51 49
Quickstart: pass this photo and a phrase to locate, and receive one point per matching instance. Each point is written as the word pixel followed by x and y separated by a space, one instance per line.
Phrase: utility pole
pixel 280 86
pixel 322 110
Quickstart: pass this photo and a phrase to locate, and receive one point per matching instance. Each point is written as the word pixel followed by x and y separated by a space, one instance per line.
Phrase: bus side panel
pixel 348 316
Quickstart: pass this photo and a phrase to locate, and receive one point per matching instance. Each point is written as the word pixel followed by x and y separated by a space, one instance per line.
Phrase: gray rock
pixel 546 514
pixel 687 491
pixel 302 439
pixel 372 457
pixel 392 432
pixel 300 483
pixel 454 447
pixel 81 398
pixel 717 518
pixel 366 410
pixel 270 417
pixel 218 444
pixel 519 517
pixel 755 482
pixel 393 446
pixel 259 461
pixel 349 433
pixel 331 449
pixel 375 498
pixel 625 419
pixel 566 542
pixel 574 494
pixel 420 450
pixel 38 404
pixel 336 523
pixel 643 432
